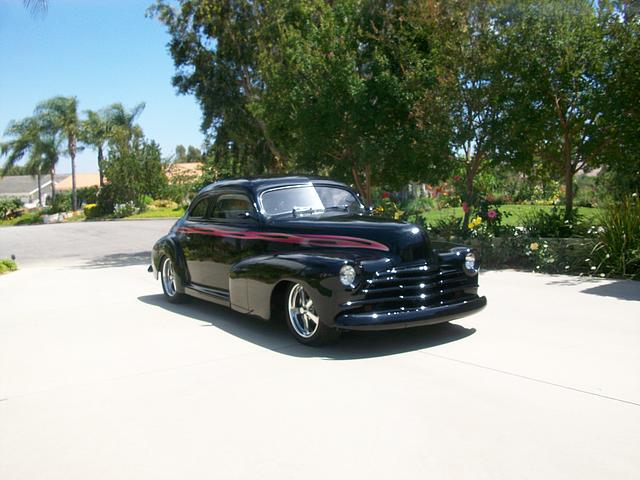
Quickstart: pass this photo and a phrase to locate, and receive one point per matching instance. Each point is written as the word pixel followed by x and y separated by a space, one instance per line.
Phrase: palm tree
pixel 60 117
pixel 35 168
pixel 48 154
pixel 95 132
pixel 123 123
pixel 43 149
pixel 114 123
pixel 36 6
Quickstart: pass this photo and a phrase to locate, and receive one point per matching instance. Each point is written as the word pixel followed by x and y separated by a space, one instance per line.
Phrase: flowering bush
pixel 91 211
pixel 388 208
pixel 487 220
pixel 122 210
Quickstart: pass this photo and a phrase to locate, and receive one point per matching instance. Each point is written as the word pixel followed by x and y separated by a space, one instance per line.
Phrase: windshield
pixel 308 199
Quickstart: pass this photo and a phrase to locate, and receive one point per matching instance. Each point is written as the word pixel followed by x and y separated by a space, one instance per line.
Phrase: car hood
pixel 407 241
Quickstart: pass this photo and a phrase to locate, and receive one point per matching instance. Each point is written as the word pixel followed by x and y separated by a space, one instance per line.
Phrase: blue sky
pixel 101 51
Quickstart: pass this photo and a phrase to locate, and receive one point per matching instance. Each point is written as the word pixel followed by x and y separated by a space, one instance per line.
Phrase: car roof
pixel 260 184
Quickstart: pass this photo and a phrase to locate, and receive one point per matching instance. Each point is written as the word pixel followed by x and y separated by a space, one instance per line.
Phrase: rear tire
pixel 303 320
pixel 172 285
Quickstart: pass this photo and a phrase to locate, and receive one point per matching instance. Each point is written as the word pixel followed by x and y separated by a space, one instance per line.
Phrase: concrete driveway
pixel 100 378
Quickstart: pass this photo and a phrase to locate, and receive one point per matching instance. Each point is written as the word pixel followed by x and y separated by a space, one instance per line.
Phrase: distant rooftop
pixel 83 180
pixel 22 185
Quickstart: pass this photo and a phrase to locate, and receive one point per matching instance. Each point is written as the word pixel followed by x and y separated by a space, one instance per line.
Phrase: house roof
pixel 186 169
pixel 83 180
pixel 21 185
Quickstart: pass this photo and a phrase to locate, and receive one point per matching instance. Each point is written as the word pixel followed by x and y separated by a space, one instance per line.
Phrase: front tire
pixel 171 282
pixel 303 320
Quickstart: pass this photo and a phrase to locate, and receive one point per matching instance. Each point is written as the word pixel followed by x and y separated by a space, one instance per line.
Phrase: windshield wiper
pixel 310 210
pixel 344 208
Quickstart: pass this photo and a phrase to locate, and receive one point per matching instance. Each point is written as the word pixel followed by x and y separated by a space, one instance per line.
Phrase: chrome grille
pixel 413 287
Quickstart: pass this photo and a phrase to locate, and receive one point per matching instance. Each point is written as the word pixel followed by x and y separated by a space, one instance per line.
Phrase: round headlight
pixel 347 275
pixel 470 264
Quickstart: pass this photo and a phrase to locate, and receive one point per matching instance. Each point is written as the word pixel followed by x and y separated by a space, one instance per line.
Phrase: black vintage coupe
pixel 308 250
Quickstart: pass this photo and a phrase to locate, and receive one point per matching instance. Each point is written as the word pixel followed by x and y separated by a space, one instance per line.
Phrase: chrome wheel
pixel 168 278
pixel 302 314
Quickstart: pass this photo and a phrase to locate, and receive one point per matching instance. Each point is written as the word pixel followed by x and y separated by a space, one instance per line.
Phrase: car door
pixel 235 226
pixel 195 240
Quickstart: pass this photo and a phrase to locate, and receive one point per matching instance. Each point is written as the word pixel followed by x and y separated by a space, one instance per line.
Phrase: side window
pixel 200 209
pixel 232 207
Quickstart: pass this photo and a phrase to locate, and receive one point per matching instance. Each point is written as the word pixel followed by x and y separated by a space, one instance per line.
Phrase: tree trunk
pixel 100 160
pixel 39 190
pixel 568 194
pixel 468 194
pixel 53 184
pixel 356 179
pixel 367 176
pixel 72 154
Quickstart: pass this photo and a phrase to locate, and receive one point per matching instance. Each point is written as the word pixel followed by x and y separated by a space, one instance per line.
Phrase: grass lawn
pixel 29 218
pixel 517 212
pixel 158 213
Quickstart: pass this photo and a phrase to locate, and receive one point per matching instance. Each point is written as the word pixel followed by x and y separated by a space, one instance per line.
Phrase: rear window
pixel 200 209
pixel 232 207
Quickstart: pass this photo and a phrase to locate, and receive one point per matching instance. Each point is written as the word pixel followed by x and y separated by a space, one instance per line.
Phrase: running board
pixel 210 294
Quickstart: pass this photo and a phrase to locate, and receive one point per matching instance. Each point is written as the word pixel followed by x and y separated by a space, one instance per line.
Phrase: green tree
pixel 190 154
pixel 215 51
pixel 552 58
pixel 95 132
pixel 30 139
pixel 349 90
pixel 133 171
pixel 112 125
pixel 60 117
pixel 123 127
pixel 621 100
pixel 470 85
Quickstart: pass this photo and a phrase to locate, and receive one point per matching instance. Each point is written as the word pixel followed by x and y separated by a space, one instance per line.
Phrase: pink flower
pixel 465 207
pixel 457 178
pixel 492 214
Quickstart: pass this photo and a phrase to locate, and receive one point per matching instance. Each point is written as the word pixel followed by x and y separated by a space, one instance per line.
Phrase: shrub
pixel 87 195
pixel 416 210
pixel 7 265
pixel 91 211
pixel 61 202
pixel 388 208
pixel 164 204
pixel 9 206
pixel 105 199
pixel 541 223
pixel 146 200
pixel 127 209
pixel 30 218
pixel 618 247
pixel 487 220
pixel 448 228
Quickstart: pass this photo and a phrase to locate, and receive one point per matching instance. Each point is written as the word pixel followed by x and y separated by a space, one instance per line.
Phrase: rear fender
pixel 168 247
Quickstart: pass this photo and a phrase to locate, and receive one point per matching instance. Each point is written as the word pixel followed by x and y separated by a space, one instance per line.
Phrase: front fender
pixel 253 282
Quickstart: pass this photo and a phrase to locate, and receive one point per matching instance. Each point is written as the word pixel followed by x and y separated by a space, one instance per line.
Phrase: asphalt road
pixel 100 378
